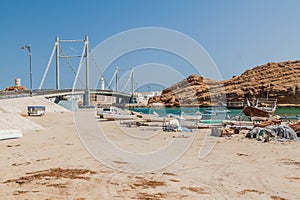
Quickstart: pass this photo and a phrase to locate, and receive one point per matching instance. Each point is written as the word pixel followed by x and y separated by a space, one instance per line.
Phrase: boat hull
pixel 113 117
pixel 251 111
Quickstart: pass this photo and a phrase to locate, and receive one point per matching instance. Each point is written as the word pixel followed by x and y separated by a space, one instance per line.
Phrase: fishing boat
pixel 216 111
pixel 10 134
pixel 154 118
pixel 117 116
pixel 191 117
pixel 262 108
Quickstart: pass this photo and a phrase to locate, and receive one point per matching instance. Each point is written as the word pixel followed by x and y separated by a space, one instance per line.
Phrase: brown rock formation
pixel 279 80
pixel 14 89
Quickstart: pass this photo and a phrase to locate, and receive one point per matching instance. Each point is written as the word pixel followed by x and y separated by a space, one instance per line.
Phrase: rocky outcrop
pixel 14 89
pixel 279 81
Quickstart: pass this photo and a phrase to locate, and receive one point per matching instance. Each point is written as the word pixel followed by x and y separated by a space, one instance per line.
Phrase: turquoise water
pixel 288 111
pixel 190 110
pixel 193 110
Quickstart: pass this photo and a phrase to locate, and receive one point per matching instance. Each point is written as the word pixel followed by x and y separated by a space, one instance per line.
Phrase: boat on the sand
pixel 116 116
pixel 262 108
pixel 154 118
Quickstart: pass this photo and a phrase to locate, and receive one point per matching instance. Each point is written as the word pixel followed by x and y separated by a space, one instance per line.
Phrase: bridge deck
pixel 62 92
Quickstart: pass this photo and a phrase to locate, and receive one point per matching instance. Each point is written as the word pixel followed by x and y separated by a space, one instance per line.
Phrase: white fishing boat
pixel 189 117
pixel 155 118
pixel 116 116
pixel 10 134
pixel 194 117
pixel 216 111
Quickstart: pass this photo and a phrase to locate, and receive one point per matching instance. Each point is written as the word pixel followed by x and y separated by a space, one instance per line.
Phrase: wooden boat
pixel 262 108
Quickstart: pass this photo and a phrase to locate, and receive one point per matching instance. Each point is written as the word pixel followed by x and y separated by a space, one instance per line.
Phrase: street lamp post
pixel 28 47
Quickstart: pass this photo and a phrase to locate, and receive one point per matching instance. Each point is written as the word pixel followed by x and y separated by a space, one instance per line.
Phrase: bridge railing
pixel 14 94
pixel 54 92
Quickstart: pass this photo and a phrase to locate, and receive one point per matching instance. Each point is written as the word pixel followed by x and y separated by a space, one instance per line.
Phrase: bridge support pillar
pixel 57 99
pixel 86 98
pixel 117 100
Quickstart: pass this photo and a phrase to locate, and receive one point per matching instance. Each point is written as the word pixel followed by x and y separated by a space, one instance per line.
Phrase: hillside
pixel 280 80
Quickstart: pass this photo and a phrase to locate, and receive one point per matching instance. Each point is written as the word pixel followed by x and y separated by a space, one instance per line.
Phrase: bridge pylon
pixel 85 54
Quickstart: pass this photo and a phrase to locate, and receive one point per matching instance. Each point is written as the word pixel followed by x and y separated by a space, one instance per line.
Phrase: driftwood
pixel 268 123
pixel 295 126
pixel 229 131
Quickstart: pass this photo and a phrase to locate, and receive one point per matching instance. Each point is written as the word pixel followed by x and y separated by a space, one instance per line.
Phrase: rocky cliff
pixel 279 81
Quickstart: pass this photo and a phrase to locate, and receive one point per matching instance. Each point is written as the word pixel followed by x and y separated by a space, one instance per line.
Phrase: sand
pixel 19 105
pixel 52 163
pixel 12 112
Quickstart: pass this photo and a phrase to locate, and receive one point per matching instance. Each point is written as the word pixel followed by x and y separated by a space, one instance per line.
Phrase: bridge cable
pixel 129 78
pixel 79 66
pixel 98 68
pixel 112 78
pixel 47 68
pixel 70 65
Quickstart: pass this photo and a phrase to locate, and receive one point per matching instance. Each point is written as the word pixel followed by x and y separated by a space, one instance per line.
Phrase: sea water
pixel 193 110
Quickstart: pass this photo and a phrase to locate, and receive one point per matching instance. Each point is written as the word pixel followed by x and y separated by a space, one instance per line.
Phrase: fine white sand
pixel 19 105
pixel 52 163
pixel 13 110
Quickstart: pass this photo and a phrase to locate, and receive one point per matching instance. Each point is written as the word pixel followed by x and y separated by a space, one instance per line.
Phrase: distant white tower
pixel 102 83
pixel 17 82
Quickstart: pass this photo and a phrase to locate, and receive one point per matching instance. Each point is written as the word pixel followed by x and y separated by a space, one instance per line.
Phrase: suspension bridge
pixel 86 56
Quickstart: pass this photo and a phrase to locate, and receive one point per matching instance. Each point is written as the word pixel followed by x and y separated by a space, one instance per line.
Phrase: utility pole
pixel 28 47
pixel 87 88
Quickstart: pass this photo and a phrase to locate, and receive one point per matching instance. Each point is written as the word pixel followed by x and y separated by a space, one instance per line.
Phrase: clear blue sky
pixel 238 34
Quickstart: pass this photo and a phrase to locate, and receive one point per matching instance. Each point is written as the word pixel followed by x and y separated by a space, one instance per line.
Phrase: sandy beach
pixel 52 163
